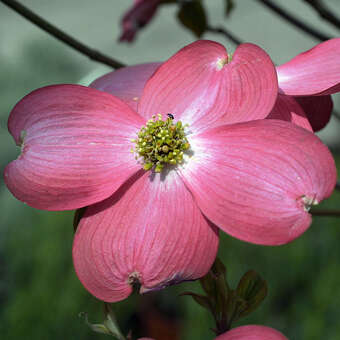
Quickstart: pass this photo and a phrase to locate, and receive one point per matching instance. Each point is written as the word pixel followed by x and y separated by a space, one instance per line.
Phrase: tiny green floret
pixel 161 142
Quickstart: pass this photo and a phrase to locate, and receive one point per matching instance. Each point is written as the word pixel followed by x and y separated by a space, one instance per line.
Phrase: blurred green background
pixel 40 295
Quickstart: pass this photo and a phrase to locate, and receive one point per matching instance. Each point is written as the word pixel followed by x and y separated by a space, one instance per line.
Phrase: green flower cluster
pixel 161 142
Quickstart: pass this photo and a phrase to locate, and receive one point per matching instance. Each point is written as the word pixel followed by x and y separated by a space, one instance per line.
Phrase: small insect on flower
pixel 171 116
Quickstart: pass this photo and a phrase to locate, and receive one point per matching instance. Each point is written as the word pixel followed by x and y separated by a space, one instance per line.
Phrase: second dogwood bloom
pixel 252 332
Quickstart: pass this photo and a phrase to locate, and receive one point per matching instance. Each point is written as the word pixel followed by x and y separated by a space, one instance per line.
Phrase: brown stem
pixel 333 213
pixel 223 31
pixel 294 20
pixel 324 12
pixel 336 115
pixel 60 35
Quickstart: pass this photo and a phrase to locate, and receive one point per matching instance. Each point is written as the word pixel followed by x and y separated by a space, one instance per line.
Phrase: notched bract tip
pixel 223 61
pixel 308 202
pixel 134 280
pixel 23 134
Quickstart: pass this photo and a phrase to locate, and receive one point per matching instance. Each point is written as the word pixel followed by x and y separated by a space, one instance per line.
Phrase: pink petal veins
pixel 318 110
pixel 286 108
pixel 149 231
pixel 75 147
pixel 252 332
pixel 257 180
pixel 202 87
pixel 126 83
pixel 314 72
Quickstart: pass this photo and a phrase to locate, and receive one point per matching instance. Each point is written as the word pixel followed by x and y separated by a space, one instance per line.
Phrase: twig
pixel 337 186
pixel 227 34
pixel 332 213
pixel 324 12
pixel 60 35
pixel 295 21
pixel 336 114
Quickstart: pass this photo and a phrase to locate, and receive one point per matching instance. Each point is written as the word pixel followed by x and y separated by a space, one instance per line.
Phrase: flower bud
pixel 252 332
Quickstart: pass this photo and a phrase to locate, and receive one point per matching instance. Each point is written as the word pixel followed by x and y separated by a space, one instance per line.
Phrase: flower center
pixel 161 142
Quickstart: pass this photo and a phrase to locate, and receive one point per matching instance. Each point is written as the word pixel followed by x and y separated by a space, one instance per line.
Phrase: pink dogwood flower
pixel 137 17
pixel 252 332
pixel 209 159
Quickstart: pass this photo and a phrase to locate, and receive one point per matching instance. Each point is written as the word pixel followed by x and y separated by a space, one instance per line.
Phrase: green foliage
pixel 225 304
pixel 192 16
pixel 109 326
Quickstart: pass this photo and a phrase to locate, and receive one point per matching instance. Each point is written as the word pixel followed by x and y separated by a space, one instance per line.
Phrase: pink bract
pixel 288 109
pixel 253 178
pixel 252 332
pixel 310 112
pixel 150 231
pixel 314 72
pixel 318 109
pixel 137 17
pixel 127 83
pixel 310 77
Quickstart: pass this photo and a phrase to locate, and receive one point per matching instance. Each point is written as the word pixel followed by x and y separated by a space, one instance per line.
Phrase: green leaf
pixel 208 284
pixel 218 268
pixel 253 289
pixel 219 271
pixel 215 279
pixel 111 322
pixel 216 287
pixel 229 6
pixel 192 16
pixel 98 328
pixel 200 299
pixel 234 305
pixel 108 327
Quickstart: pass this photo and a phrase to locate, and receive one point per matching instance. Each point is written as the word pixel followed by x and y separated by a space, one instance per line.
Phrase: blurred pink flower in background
pixel 137 17
pixel 253 178
pixel 252 332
